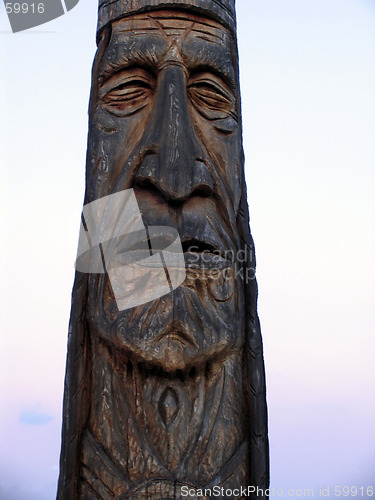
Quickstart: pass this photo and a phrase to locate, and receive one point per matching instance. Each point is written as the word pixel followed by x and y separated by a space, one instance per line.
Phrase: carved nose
pixel 177 167
pixel 176 183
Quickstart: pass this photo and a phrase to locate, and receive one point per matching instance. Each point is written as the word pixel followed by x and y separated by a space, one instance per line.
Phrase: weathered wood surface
pixel 172 392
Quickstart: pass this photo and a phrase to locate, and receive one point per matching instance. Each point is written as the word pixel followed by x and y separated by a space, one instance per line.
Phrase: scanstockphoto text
pixel 248 491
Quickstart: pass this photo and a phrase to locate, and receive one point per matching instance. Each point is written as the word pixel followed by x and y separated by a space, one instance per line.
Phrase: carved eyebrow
pixel 148 59
pixel 135 59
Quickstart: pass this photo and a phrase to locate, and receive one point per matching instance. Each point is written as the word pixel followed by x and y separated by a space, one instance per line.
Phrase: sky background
pixel 308 92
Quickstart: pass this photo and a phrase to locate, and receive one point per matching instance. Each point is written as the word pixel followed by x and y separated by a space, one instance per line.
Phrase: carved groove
pixel 168 406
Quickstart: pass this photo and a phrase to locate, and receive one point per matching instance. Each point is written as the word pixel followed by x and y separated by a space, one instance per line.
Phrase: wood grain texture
pixel 221 10
pixel 170 393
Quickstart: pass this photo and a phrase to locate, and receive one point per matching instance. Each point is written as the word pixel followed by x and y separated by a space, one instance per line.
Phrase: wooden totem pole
pixel 167 396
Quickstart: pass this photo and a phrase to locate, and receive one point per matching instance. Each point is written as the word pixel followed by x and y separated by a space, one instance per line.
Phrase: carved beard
pixel 167 399
pixel 161 432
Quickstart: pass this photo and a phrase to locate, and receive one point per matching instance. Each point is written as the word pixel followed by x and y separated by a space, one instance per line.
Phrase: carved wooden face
pixel 165 122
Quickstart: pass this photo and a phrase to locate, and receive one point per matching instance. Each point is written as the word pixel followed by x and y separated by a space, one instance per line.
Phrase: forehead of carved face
pixel 166 118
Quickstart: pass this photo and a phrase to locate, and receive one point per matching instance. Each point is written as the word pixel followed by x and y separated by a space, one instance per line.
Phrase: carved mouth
pixel 202 254
pixel 192 245
pixel 159 243
pixel 189 245
pixel 197 253
pixel 139 246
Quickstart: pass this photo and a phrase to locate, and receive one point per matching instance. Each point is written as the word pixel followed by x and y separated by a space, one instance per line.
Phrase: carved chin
pixel 200 321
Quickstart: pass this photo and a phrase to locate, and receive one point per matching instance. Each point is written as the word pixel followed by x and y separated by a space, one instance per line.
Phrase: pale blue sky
pixel 308 92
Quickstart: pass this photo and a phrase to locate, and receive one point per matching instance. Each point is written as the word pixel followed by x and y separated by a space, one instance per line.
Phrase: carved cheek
pixel 221 285
pixel 223 148
pixel 114 138
pixel 230 149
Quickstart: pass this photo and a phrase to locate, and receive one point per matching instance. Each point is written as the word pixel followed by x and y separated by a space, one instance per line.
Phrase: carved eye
pixel 127 92
pixel 211 97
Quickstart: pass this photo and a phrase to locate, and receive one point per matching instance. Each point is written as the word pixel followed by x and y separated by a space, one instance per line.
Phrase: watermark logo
pixel 30 13
pixel 143 263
